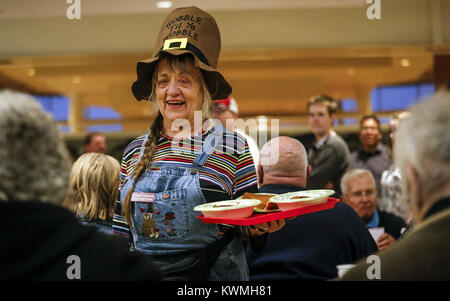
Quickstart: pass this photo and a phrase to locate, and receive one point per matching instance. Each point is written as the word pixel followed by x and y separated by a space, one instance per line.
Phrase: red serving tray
pixel 261 217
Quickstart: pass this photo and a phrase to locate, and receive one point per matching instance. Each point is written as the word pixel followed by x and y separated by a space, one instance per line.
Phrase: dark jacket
pixel 423 254
pixel 312 245
pixel 392 224
pixel 376 162
pixel 38 240
pixel 103 226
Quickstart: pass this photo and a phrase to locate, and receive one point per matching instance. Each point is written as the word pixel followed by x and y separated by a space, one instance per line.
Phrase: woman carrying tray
pixel 185 159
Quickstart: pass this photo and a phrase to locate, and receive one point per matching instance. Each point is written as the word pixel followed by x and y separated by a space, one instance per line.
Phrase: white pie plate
pixel 239 208
pixel 285 201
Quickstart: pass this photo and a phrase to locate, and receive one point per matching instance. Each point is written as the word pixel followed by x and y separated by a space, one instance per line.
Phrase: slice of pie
pixel 299 197
pixel 264 198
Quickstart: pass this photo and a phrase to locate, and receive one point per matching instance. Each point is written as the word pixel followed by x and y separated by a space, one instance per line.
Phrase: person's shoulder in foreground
pixel 423 255
pixel 50 253
pixel 43 240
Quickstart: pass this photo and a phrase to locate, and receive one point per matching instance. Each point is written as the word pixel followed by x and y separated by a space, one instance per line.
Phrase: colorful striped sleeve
pixel 129 160
pixel 245 178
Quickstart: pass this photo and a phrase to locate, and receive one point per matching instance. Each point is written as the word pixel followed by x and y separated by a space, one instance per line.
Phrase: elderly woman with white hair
pixel 43 240
pixel 422 152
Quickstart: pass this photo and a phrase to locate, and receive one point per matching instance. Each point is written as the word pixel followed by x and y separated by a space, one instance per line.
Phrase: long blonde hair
pixel 156 129
pixel 93 187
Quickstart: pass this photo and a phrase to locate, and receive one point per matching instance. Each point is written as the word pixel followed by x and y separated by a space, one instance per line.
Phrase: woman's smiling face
pixel 178 93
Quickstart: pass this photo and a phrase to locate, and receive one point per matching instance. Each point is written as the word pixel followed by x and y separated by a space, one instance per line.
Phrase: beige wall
pixel 403 22
pixel 274 59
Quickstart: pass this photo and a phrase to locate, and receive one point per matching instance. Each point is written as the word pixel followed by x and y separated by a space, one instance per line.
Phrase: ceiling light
pixel 405 63
pixel 351 71
pixel 31 72
pixel 76 80
pixel 163 4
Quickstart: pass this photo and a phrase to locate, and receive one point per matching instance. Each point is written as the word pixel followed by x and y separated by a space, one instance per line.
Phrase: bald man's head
pixel 283 161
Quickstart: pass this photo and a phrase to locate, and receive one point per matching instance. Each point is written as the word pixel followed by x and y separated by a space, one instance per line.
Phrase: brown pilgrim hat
pixel 186 30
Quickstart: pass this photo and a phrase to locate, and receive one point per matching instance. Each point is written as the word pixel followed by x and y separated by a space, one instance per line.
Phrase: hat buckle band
pixel 175 43
pixel 182 43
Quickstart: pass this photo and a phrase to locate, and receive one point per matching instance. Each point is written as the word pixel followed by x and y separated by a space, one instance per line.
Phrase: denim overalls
pixel 163 219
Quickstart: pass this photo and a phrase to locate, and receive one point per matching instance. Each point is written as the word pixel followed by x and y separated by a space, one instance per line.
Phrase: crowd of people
pixel 139 213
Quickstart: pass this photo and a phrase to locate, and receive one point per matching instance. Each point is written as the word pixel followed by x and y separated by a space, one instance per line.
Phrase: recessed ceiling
pixel 275 54
pixel 54 8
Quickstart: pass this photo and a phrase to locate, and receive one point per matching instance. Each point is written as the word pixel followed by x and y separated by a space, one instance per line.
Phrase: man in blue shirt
pixel 359 192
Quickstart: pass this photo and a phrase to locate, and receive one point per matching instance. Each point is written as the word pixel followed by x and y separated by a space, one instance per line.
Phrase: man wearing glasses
pixel 373 154
pixel 359 192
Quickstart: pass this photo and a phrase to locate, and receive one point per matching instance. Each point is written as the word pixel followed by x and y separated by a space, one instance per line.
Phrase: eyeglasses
pixel 361 193
pixel 369 128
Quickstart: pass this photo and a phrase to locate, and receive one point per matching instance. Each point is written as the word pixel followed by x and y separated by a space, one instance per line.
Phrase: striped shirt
pixel 228 173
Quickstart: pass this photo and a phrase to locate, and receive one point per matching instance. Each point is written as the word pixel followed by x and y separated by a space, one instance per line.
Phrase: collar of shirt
pixel 378 150
pixel 375 221
pixel 319 144
pixel 279 188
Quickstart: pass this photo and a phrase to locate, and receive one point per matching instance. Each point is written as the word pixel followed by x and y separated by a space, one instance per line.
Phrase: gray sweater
pixel 329 161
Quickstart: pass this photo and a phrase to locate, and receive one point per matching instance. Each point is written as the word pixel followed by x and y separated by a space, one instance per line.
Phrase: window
pixel 104 128
pixel 349 105
pixel 56 105
pixel 64 128
pixel 350 121
pixel 100 113
pixel 397 98
pixel 384 120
